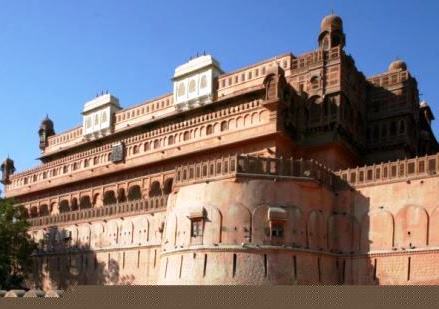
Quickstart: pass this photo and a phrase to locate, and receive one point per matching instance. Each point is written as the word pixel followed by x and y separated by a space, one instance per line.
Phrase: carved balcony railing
pixel 401 170
pixel 251 166
pixel 116 210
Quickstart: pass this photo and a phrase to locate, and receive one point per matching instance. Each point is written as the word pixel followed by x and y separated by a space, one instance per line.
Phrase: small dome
pixel 46 123
pixel 8 161
pixel 331 22
pixel 423 104
pixel 398 65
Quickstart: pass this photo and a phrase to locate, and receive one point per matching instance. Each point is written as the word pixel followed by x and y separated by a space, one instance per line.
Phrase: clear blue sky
pixel 55 55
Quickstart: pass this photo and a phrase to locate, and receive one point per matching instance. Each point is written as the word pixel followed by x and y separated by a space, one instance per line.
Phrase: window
pixel 197 227
pixel 186 136
pixel 209 129
pixel 135 149
pixel 146 147
pixel 224 126
pixel 203 82
pixel 192 86
pixel 181 90
pixel 277 230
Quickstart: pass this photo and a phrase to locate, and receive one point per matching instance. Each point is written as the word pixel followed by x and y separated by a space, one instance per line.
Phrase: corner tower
pixel 46 130
pixel 331 32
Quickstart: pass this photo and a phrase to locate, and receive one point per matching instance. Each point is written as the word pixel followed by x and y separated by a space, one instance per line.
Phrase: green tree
pixel 16 246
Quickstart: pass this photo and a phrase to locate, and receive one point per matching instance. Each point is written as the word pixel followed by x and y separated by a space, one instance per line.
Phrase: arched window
pixel 134 193
pixel 135 149
pixel 44 210
pixel 109 198
pixel 86 163
pixel 192 86
pixel 224 126
pixel 34 212
pixel 171 140
pixel 167 189
pixel 64 206
pixel 314 81
pixel 74 204
pixel 95 160
pixel 121 196
pixel 156 144
pixel 146 147
pixel 209 129
pixel 85 202
pixel 155 189
pixel 97 202
pixel 186 136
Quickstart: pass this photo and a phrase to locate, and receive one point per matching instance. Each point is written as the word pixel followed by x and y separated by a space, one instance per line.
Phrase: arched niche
pixel 411 227
pixel 316 230
pixel 237 222
pixel 377 230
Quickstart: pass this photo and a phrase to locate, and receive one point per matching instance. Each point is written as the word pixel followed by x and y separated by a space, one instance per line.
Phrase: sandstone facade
pixel 295 170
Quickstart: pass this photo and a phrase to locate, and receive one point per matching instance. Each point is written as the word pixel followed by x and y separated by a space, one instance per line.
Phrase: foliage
pixel 16 246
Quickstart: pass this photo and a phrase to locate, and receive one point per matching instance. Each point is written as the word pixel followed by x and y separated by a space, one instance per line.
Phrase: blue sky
pixel 56 55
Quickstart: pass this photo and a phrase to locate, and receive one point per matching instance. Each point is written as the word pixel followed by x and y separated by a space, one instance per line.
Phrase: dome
pixel 331 22
pixel 423 104
pixel 8 162
pixel 46 123
pixel 398 65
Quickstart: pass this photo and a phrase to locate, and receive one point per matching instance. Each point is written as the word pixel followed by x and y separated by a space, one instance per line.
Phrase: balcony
pixel 131 208
pixel 238 166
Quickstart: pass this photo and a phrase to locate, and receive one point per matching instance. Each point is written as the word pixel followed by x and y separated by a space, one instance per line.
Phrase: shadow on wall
pixel 60 264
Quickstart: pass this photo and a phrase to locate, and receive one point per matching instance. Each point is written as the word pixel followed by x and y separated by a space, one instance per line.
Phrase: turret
pixel 7 169
pixel 331 32
pixel 46 130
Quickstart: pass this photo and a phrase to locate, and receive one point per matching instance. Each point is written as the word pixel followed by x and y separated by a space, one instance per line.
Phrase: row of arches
pixel 132 231
pixel 237 122
pixel 411 227
pixel 109 197
pixel 102 155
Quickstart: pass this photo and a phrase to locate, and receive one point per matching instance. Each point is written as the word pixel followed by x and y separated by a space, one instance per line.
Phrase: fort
pixel 294 170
